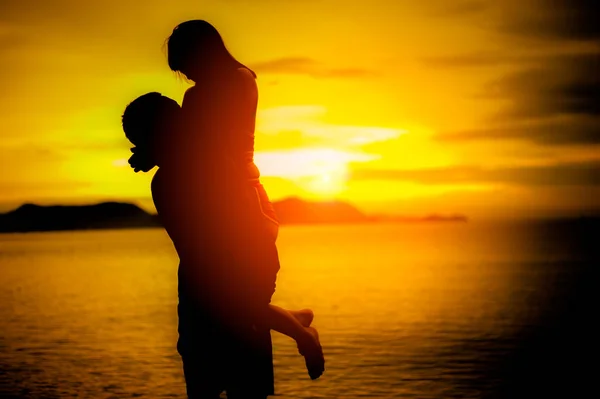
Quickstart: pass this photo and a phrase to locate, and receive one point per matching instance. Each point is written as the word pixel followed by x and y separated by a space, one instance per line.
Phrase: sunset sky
pixel 486 108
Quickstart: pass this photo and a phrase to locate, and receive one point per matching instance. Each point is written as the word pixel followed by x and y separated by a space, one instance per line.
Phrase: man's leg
pixel 199 382
pixel 242 396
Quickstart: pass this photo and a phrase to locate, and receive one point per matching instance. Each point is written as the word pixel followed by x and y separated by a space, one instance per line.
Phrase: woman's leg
pixel 263 250
pixel 306 338
pixel 289 322
pixel 304 316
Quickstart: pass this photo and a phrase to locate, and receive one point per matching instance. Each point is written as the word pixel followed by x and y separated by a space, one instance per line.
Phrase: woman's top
pixel 221 113
pixel 211 201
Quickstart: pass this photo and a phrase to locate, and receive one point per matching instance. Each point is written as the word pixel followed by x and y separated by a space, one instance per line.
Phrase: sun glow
pixel 309 123
pixel 328 185
pixel 299 144
pixel 320 171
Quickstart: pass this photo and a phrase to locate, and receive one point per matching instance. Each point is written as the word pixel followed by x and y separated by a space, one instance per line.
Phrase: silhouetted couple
pixel 209 198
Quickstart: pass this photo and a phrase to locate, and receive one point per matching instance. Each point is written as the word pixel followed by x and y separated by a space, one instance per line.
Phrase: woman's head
pixel 195 48
pixel 146 121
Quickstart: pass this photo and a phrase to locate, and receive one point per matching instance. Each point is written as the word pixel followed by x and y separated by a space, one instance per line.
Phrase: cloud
pixel 301 126
pixel 308 66
pixel 565 174
pixel 287 139
pixel 295 163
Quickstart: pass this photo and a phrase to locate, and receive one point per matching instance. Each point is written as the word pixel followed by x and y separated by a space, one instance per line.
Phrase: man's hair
pixel 147 114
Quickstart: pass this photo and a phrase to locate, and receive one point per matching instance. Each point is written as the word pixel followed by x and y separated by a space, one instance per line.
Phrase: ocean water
pixel 455 310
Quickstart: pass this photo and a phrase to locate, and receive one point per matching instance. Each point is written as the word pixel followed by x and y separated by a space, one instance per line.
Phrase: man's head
pixel 146 121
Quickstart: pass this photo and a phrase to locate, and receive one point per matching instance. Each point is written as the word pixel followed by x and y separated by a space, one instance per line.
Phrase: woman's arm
pixel 249 98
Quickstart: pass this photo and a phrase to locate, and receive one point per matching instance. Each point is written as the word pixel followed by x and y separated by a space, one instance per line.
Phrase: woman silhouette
pixel 209 198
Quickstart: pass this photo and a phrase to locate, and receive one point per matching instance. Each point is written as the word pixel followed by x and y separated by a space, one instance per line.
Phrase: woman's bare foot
pixel 304 316
pixel 310 347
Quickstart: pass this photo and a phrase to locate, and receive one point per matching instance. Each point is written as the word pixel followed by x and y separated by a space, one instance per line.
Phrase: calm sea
pixel 469 310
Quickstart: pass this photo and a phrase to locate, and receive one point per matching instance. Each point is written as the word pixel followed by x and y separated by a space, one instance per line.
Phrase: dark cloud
pixel 308 66
pixel 554 102
pixel 11 39
pixel 74 15
pixel 561 85
pixel 569 131
pixel 480 59
pixel 552 97
pixel 568 20
pixel 111 28
pixel 467 60
pixel 271 1
pixel 28 153
pixel 457 8
pixel 28 189
pixel 567 174
pixel 552 19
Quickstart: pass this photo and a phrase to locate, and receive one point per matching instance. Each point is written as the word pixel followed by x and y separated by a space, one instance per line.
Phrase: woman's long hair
pixel 196 43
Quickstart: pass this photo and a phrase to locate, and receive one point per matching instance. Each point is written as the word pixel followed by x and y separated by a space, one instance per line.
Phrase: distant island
pixel 117 215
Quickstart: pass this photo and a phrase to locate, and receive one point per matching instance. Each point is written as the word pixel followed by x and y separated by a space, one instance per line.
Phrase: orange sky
pixel 403 107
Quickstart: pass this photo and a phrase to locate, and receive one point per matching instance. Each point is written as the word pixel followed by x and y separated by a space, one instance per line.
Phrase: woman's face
pixel 196 49
pixel 199 66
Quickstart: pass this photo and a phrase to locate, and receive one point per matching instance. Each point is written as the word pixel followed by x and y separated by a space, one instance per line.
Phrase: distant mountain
pixel 296 210
pixel 115 215
pixel 420 219
pixel 108 215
